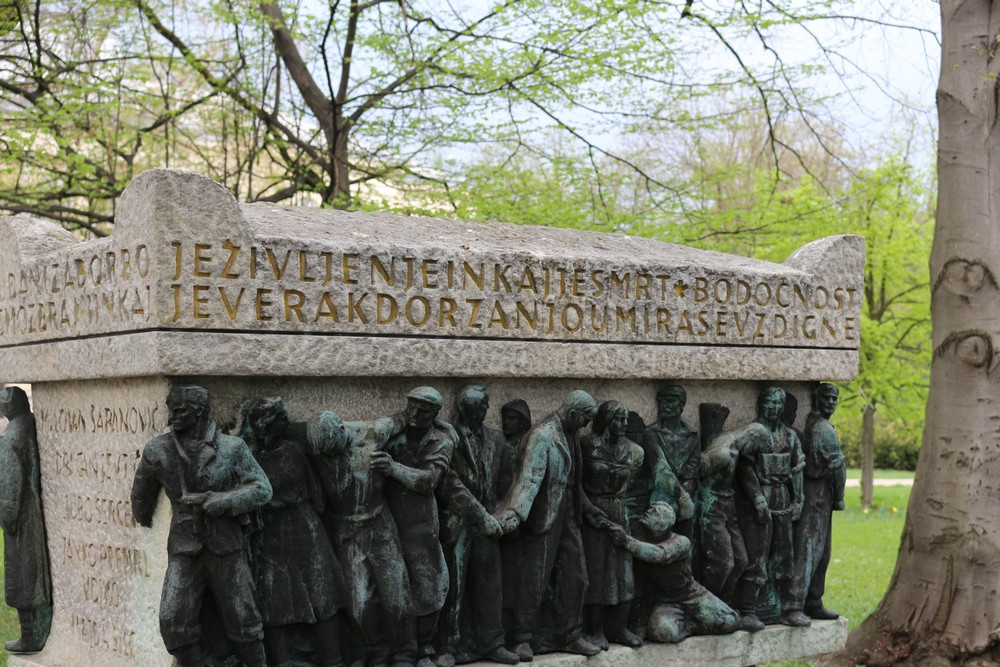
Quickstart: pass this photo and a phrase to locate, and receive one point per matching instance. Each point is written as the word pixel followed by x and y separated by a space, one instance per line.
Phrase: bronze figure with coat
pixel 27 584
pixel 300 587
pixel 364 533
pixel 472 620
pixel 547 501
pixel 213 484
pixel 610 461
pixel 825 476
pixel 672 453
pixel 414 463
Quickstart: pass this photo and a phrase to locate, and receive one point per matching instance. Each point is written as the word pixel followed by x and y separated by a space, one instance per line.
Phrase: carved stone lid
pixel 191 281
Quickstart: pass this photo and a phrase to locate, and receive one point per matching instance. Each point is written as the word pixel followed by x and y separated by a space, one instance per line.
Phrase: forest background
pixel 749 127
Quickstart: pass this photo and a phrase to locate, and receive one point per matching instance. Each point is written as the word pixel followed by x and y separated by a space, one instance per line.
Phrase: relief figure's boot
pixel 189 656
pixel 252 654
pixel 35 624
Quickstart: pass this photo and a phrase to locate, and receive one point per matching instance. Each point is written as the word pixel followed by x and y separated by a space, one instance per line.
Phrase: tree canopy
pixel 349 103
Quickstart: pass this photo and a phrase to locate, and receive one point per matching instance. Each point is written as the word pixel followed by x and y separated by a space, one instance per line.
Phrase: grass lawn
pixel 9 628
pixel 864 551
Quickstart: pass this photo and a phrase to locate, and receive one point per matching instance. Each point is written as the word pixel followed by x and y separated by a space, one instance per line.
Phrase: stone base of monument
pixel 740 649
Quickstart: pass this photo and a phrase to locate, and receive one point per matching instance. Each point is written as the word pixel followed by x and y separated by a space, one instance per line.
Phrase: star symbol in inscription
pixel 679 289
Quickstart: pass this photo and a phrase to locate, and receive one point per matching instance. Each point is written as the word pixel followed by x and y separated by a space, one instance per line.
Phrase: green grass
pixel 881 473
pixel 864 551
pixel 9 627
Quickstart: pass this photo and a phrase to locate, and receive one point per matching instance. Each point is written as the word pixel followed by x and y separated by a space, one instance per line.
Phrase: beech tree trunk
pixel 943 599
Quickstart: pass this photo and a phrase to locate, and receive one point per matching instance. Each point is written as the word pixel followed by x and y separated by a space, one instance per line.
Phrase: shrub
pixel 895 448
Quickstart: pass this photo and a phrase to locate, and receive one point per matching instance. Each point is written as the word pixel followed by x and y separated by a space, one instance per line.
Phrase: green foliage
pixel 888 203
pixel 897 447
pixel 368 102
pixel 557 187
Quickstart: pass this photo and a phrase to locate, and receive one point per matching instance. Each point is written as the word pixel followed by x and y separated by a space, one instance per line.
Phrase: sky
pixel 891 72
pixel 879 61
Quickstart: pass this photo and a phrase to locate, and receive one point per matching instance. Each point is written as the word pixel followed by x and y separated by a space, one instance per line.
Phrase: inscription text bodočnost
pixel 273 287
pixel 324 290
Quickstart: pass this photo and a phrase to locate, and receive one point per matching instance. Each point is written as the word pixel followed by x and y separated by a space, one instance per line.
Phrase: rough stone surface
pixel 776 642
pixel 106 570
pixel 739 649
pixel 186 256
pixel 187 353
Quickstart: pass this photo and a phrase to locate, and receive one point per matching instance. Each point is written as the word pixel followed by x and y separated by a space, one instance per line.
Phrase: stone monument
pixel 346 313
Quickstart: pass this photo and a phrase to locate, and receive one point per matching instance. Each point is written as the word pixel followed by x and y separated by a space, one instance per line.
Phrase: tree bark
pixel 328 114
pixel 867 456
pixel 944 598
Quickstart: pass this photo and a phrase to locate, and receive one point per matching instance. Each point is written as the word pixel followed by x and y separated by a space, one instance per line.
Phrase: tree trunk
pixel 867 456
pixel 340 176
pixel 943 599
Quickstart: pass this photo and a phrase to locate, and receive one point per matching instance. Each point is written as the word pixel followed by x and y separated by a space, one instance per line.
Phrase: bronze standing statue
pixel 472 621
pixel 213 483
pixel 825 477
pixel 299 580
pixel 515 422
pixel 769 503
pixel 547 501
pixel 672 453
pixel 722 554
pixel 610 461
pixel 414 462
pixel 364 534
pixel 27 586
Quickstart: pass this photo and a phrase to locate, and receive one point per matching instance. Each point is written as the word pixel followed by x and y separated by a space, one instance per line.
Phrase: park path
pixel 882 482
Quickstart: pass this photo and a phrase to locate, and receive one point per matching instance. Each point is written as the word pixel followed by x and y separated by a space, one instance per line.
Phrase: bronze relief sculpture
pixel 299 581
pixel 769 501
pixel 825 475
pixel 547 501
pixel 407 540
pixel 27 584
pixel 610 462
pixel 481 467
pixel 213 484
pixel 414 462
